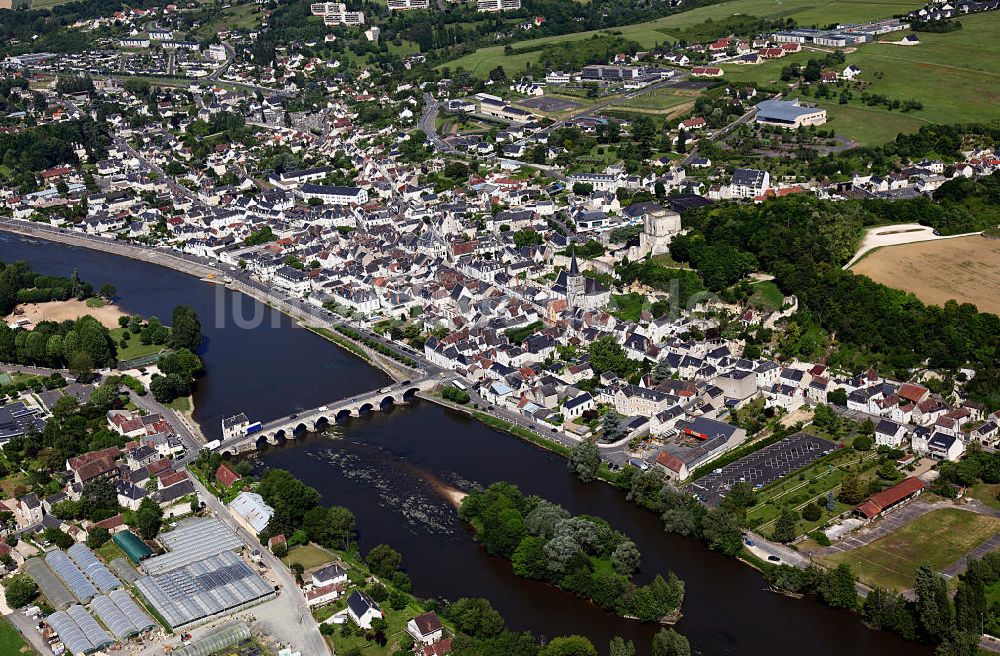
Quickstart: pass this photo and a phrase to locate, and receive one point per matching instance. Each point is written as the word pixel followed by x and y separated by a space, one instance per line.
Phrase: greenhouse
pixel 112 617
pixel 225 636
pixel 79 631
pixel 124 571
pixel 72 576
pixel 140 620
pixel 95 570
pixel 133 547
pixel 190 542
pixel 218 584
pixel 54 590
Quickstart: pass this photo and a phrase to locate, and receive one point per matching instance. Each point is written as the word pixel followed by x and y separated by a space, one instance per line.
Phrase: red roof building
pixel 226 476
pixel 886 500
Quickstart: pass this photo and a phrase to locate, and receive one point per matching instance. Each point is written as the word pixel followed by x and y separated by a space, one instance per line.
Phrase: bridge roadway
pixel 318 419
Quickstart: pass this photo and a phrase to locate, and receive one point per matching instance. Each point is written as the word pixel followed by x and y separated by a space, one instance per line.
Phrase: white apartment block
pixel 335 13
pixel 498 5
pixel 405 5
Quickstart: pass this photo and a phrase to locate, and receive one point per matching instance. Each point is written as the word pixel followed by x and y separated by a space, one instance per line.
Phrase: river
pixel 387 468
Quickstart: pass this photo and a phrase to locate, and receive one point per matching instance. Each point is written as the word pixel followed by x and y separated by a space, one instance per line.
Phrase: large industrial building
pixel 200 576
pixel 788 114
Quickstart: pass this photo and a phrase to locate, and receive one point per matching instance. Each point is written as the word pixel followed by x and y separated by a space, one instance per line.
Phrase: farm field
pixel 939 538
pixel 651 33
pixel 966 269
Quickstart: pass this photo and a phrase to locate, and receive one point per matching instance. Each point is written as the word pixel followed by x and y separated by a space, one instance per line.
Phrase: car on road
pixel 774 559
pixel 750 543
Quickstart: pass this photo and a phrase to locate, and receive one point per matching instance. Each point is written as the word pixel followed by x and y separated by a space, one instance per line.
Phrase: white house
pixel 425 628
pixel 890 434
pixel 362 609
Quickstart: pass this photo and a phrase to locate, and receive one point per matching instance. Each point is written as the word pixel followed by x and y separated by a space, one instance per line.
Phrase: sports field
pixel 938 538
pixel 966 269
pixel 651 33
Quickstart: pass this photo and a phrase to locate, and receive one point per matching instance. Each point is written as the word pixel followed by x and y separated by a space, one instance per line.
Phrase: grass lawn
pixel 96 302
pixel 307 555
pixel 396 619
pixel 11 481
pixel 135 348
pixel 955 75
pixel 239 16
pixel 629 306
pixel 869 125
pixel 986 492
pixel 109 551
pixel 660 99
pixel 938 538
pixel 11 641
pixel 766 294
pixel 181 404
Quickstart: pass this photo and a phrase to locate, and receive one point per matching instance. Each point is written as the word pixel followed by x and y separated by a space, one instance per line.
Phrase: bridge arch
pixel 300 428
pixel 387 402
pixel 365 409
pixel 321 424
pixel 343 415
pixel 409 394
pixel 261 442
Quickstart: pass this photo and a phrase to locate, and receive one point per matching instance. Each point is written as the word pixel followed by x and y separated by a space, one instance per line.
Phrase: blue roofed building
pixel 788 114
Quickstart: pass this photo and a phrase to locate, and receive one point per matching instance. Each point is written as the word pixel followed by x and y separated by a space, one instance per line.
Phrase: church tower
pixel 576 285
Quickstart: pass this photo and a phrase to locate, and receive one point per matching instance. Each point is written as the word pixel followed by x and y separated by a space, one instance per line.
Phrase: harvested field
pixel 966 269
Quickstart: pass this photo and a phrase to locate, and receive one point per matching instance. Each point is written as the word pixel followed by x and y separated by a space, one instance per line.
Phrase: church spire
pixel 574 270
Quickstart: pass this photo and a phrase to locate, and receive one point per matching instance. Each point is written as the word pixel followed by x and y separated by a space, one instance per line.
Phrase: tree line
pixel 581 554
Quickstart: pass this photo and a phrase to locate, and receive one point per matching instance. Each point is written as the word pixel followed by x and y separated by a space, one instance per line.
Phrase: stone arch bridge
pixel 318 419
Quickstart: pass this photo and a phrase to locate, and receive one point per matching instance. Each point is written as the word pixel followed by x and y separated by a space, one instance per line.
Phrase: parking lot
pixel 549 104
pixel 763 467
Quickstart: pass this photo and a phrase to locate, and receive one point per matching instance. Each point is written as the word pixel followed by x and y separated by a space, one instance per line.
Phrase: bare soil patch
pixel 966 269
pixel 63 310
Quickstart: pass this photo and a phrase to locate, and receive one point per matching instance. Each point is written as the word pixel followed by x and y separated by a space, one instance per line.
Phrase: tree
pixel 81 364
pixel 572 645
pixel 185 329
pixel 785 525
pixel 529 559
pixel 935 614
pixel 20 590
pixel 837 588
pixel 606 354
pixel 383 560
pixel 852 491
pixel 619 647
pixel 626 558
pixel 812 512
pixel 108 292
pixel 667 642
pixel 721 529
pixel 613 427
pixel 340 525
pixel 475 617
pixel 97 537
pixel 149 518
pixel 584 460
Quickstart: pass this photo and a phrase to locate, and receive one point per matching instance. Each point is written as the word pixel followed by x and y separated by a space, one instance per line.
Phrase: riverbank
pixel 204 272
